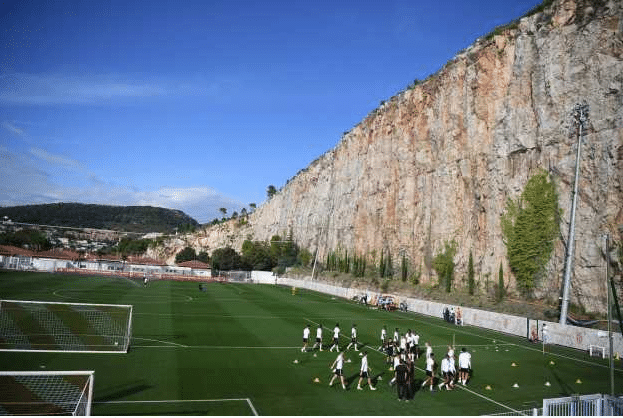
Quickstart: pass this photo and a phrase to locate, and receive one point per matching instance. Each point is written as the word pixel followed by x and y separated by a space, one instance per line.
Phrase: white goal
pixel 46 393
pixel 596 351
pixel 64 327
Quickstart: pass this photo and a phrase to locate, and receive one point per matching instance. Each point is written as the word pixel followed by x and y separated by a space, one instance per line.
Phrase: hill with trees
pixel 142 219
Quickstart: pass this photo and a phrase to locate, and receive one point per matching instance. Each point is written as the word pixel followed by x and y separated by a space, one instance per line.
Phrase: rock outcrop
pixel 438 161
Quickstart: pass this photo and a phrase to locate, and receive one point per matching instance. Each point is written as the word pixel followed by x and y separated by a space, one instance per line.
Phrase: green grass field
pixel 232 351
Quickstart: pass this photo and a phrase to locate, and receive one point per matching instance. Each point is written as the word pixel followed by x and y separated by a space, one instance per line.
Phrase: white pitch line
pixel 159 341
pixel 216 347
pixel 247 400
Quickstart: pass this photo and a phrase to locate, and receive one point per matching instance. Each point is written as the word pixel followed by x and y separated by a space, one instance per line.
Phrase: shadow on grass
pixel 120 392
pixel 567 390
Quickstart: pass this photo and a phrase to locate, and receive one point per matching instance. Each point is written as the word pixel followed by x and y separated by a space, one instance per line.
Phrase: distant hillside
pixel 120 218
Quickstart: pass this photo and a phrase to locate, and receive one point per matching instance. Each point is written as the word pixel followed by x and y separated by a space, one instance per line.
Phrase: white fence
pixel 565 335
pixel 585 405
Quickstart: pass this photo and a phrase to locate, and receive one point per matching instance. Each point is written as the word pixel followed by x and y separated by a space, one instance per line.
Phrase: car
pixel 387 303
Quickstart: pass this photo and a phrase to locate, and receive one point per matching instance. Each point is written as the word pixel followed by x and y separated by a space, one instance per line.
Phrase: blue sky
pixel 198 105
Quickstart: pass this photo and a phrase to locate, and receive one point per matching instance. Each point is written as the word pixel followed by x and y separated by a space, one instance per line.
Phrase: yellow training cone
pixel 316 380
pixel 515 385
pixel 579 382
pixel 547 384
pixel 488 387
pixel 513 365
pixel 552 362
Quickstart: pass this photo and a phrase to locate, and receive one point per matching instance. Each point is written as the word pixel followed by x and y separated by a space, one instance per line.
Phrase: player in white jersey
pixel 336 338
pixel 429 350
pixel 403 347
pixel 353 338
pixel 396 337
pixel 305 338
pixel 465 365
pixel 396 362
pixel 338 370
pixel 430 371
pixel 416 345
pixel 383 337
pixel 364 372
pixel 318 337
pixel 446 373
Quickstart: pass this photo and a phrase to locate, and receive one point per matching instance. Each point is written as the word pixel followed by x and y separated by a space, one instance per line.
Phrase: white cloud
pixel 56 159
pixel 46 89
pixel 26 181
pixel 13 129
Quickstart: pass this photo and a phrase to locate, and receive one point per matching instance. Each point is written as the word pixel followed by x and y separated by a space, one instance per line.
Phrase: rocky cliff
pixel 438 161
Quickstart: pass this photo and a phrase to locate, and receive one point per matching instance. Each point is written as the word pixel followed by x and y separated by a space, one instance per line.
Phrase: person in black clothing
pixel 402 376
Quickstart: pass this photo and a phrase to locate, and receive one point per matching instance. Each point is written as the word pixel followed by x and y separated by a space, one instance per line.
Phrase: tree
pixel 187 254
pixel 471 284
pixel 225 259
pixel 203 257
pixel 443 264
pixel 500 283
pixel 530 225
pixel 223 211
pixel 404 268
pixel 271 191
pixel 252 206
pixel 256 255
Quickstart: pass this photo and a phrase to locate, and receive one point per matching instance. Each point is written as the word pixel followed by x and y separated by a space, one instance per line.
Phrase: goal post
pixel 46 392
pixel 596 351
pixel 64 327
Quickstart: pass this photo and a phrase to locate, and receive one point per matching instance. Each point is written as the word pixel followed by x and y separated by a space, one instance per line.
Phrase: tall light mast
pixel 580 115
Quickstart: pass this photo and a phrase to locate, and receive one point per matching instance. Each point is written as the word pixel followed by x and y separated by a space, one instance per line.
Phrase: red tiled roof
pixel 59 254
pixel 10 250
pixel 145 260
pixel 194 264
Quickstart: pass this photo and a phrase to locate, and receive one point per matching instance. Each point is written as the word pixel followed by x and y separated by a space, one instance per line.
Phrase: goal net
pixel 596 351
pixel 46 393
pixel 66 327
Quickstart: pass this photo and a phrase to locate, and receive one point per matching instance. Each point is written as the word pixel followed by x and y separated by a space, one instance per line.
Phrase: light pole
pixel 580 113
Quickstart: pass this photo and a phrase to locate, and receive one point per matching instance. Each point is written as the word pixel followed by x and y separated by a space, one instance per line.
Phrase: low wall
pixel 565 335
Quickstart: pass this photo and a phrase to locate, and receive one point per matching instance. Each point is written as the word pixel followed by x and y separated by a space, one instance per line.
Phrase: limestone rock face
pixel 438 161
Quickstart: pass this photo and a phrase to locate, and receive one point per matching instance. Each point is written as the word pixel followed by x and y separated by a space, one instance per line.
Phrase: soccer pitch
pixel 236 350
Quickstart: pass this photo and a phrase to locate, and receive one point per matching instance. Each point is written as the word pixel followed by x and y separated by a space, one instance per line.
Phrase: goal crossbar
pixel 64 327
pixel 46 392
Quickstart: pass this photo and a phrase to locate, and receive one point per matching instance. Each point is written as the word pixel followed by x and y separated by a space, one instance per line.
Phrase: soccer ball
pixel 116 342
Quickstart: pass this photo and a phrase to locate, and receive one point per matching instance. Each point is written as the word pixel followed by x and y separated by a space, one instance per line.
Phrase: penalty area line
pixel 247 400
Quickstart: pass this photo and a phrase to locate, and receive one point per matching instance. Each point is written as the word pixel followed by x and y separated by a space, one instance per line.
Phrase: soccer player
pixel 318 337
pixel 416 345
pixel 338 366
pixel 403 347
pixel 401 377
pixel 430 371
pixel 465 364
pixel 395 364
pixel 353 338
pixel 429 350
pixel 363 373
pixel 383 336
pixel 305 338
pixel 336 338
pixel 445 373
pixel 451 353
pixel 397 337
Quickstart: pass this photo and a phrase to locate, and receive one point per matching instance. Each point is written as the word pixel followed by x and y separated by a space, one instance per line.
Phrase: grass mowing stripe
pixel 29 326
